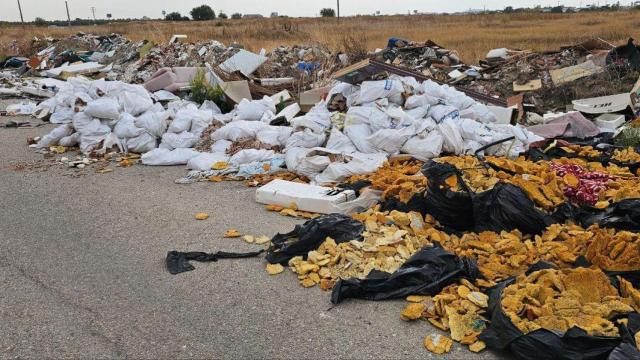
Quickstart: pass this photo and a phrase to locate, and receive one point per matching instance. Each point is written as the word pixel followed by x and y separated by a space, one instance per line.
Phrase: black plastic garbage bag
pixel 624 215
pixel 416 203
pixel 575 344
pixel 452 209
pixel 178 262
pixel 311 234
pixel 628 349
pixel 508 207
pixel 427 272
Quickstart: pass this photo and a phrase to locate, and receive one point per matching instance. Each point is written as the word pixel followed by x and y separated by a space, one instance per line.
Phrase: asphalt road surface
pixel 82 273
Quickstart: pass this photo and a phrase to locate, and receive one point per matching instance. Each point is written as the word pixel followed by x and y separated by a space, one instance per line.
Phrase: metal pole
pixel 68 17
pixel 338 10
pixel 20 9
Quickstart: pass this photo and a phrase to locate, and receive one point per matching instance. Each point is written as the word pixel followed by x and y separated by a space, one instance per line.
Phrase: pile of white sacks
pixel 384 118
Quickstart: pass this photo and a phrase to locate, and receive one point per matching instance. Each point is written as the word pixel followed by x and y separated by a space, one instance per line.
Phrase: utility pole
pixel 338 10
pixel 20 9
pixel 93 10
pixel 68 17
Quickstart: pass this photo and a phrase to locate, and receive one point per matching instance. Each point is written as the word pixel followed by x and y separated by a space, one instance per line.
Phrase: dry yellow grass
pixel 471 35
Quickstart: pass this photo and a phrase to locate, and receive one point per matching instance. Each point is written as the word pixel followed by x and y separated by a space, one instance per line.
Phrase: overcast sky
pixel 54 9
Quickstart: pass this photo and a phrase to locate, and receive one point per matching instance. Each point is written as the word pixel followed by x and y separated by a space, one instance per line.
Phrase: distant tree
pixel 40 22
pixel 508 10
pixel 557 9
pixel 173 16
pixel 203 12
pixel 328 12
pixel 222 16
pixel 236 16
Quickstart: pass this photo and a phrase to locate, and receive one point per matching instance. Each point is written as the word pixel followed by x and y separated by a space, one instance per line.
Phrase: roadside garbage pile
pixel 356 130
pixel 427 58
pixel 548 81
pixel 502 224
pixel 117 58
pixel 102 116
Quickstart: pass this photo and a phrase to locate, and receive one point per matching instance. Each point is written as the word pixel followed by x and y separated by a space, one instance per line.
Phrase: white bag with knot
pixel 165 157
pixel 63 115
pixel 251 155
pixel 390 141
pixel 252 110
pixel 340 142
pixel 275 135
pixel 453 142
pixel 142 143
pixel 103 108
pixel 374 90
pixel 80 121
pixel 359 135
pixel 237 130
pixel 424 146
pixel 71 140
pixel 306 139
pixel 126 128
pixel 155 123
pixel 133 103
pixel 176 141
pixel 355 164
pixel 204 161
pixel 54 136
pixel 220 146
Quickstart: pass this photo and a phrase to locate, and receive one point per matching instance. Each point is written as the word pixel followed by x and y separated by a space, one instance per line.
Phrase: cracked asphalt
pixel 82 274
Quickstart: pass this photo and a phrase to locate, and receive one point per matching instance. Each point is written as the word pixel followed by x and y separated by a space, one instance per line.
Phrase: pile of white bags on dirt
pixel 99 115
pixel 384 118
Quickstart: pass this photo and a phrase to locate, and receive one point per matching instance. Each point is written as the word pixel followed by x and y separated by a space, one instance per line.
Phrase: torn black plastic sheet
pixel 310 235
pixel 427 272
pixel 178 262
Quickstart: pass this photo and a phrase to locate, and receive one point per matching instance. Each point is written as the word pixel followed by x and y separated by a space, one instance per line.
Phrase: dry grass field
pixel 471 35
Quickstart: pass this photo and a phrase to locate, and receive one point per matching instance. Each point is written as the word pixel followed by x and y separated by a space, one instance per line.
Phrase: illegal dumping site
pixel 500 200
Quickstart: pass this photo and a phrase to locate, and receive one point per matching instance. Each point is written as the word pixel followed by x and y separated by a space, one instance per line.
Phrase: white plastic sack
pixel 359 164
pixel 423 101
pixel 424 146
pixel 293 156
pixel 126 128
pixel 453 142
pixel 133 103
pixel 204 161
pixel 103 108
pixel 440 113
pixel 220 146
pixel 373 90
pixel 252 110
pixel 71 140
pixel 176 141
pixel 80 121
pixel 63 115
pixel 142 143
pixel 237 130
pixel 155 123
pixel 23 108
pixel 53 137
pixel 340 142
pixel 251 155
pixel 390 140
pixel 165 157
pixel 376 119
pixel 305 139
pixel 359 135
pixel 274 135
